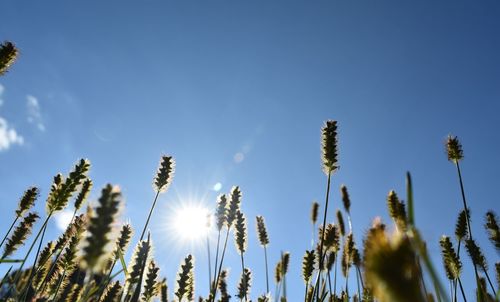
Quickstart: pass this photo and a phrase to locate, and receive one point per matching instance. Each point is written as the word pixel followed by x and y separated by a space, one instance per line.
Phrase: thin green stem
pixel 329 283
pixel 59 284
pixel 357 282
pixel 267 270
pixel 209 264
pixel 216 260
pixel 489 281
pixel 462 290
pixel 214 290
pixel 323 230
pixel 10 229
pixel 149 215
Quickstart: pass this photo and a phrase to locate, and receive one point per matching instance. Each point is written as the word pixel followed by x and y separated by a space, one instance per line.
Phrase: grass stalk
pixel 325 212
pixel 214 290
pixel 267 270
pixel 10 229
pixel 149 215
pixel 216 260
pixel 209 262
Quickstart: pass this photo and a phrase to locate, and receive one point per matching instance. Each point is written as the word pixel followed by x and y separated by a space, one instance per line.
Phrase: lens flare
pixel 191 222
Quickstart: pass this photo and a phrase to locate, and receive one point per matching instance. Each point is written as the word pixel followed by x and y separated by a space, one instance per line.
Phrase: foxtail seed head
pixel 84 193
pixel 340 221
pixel 262 231
pixel 185 279
pixel 329 146
pixel 314 212
pixel 461 231
pixel 221 211
pixel 233 206
pixel 308 266
pixel 20 234
pixel 452 264
pixel 27 201
pixel 244 284
pixel 454 149
pixel 345 198
pixel 8 55
pixel 240 234
pixel 164 174
pixel 493 229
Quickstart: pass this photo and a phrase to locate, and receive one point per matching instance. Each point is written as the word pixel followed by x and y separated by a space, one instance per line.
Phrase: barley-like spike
pixel 493 229
pixel 454 149
pixel 27 201
pixel 391 270
pixel 112 293
pixel 341 224
pixel 136 268
pixel 314 212
pixel 190 289
pixel 163 290
pixel 329 146
pixel 240 235
pixel 84 193
pixel 393 205
pixel 184 278
pixel 63 189
pixel 20 234
pixel 225 297
pixel 476 254
pixel 461 230
pixel 221 211
pixel 244 284
pixel 347 254
pixel 124 239
pixel 345 199
pixel 262 231
pixel 100 225
pixel 285 261
pixel 44 264
pixel 452 264
pixel 164 174
pixel 150 286
pixel 278 272
pixel 77 225
pixel 233 205
pixel 356 257
pixel 69 256
pixel 332 238
pixel 497 270
pixel 75 293
pixel 8 55
pixel 308 266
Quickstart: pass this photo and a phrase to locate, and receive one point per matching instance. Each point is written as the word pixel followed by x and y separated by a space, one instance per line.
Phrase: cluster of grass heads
pixel 86 262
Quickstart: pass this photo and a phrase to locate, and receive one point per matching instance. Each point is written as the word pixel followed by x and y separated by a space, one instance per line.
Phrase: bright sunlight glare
pixel 192 222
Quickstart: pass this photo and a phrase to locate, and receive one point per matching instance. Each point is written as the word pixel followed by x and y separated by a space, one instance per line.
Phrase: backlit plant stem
pixel 149 215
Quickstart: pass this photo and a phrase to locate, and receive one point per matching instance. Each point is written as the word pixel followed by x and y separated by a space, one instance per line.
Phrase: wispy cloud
pixel 8 136
pixel 63 219
pixel 34 114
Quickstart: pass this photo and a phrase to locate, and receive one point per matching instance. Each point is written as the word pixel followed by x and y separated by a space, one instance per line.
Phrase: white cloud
pixel 8 136
pixel 63 219
pixel 34 115
pixel 2 89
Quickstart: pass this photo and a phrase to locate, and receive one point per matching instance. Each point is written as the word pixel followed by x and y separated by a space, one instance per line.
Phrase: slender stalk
pixel 33 268
pixel 329 283
pixel 149 215
pixel 357 282
pixel 305 294
pixel 335 276
pixel 267 273
pixel 244 278
pixel 59 284
pixel 209 264
pixel 489 281
pixel 323 231
pixel 466 211
pixel 216 260
pixel 462 290
pixel 10 229
pixel 214 290
pixel 107 279
pixel 347 285
pixel 361 278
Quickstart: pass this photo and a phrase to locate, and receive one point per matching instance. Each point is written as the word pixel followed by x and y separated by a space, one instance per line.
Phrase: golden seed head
pixel 164 174
pixel 329 146
pixel 454 149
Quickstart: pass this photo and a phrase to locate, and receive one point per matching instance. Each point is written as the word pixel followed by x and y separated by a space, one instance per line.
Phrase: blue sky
pixel 122 83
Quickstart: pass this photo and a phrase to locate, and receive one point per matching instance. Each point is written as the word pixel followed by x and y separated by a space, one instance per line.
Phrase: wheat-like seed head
pixel 185 279
pixel 331 241
pixel 225 297
pixel 27 201
pixel 221 211
pixel 461 231
pixel 164 174
pixel 340 222
pixel 397 210
pixel 497 270
pixel 8 55
pixel 21 232
pixel 100 225
pixel 244 284
pixel 76 293
pixel 452 264
pixel 308 266
pixel 262 231
pixel 390 267
pixel 240 234
pixel 112 293
pixel 476 254
pixel 84 193
pixel 150 286
pixel 124 238
pixel 345 198
pixel 137 266
pixel 330 261
pixel 454 149
pixel 285 262
pixel 347 254
pixel 233 205
pixel 493 229
pixel 163 290
pixel 314 212
pixel 329 146
pixel 277 272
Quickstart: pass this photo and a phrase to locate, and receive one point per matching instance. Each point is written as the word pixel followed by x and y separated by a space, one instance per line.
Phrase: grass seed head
pixel 452 264
pixel 476 254
pixel 461 231
pixel 233 205
pixel 314 212
pixel 240 234
pixel 308 266
pixel 262 231
pixel 112 293
pixel 340 222
pixel 164 174
pixel 454 149
pixel 493 229
pixel 83 194
pixel 150 285
pixel 221 211
pixel 185 279
pixel 21 232
pixel 329 146
pixel 244 284
pixel 27 201
pixel 345 198
pixel 8 55
pixel 163 290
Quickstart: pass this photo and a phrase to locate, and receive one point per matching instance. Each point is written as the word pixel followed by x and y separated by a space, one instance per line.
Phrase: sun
pixel 191 222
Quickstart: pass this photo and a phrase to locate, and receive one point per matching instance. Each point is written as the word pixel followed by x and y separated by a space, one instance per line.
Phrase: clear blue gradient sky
pixel 122 82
